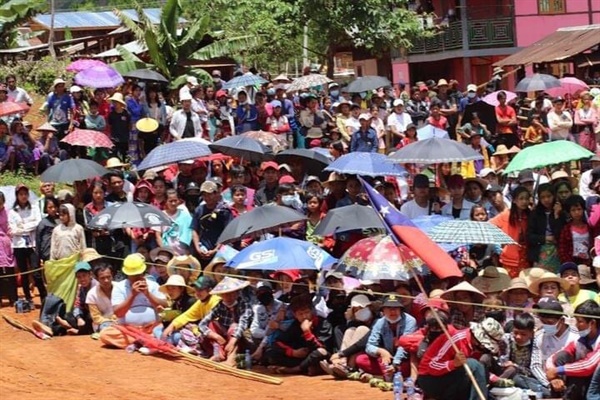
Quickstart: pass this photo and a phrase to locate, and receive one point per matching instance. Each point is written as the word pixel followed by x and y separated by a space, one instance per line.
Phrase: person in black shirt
pixel 119 122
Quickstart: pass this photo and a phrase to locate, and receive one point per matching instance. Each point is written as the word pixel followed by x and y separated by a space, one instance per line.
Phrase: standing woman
pixel 514 223
pixel 23 220
pixel 137 111
pixel 99 239
pixel 156 109
pixel 178 236
pixel 81 109
pixel 8 279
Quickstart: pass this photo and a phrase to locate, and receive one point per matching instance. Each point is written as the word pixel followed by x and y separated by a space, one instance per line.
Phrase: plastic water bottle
pixel 409 386
pixel 248 360
pixel 398 386
pixel 539 392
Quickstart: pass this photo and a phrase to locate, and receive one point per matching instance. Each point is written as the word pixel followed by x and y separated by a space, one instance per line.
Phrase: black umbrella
pixel 486 112
pixel 243 147
pixel 261 220
pixel 368 83
pixel 129 215
pixel 77 169
pixel 435 151
pixel 146 75
pixel 349 218
pixel 314 161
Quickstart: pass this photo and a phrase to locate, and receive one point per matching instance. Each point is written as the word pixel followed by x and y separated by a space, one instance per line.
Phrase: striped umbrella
pixel 247 79
pixel 469 232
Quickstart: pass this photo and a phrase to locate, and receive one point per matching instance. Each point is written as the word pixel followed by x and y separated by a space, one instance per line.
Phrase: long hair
pixel 515 213
pixel 544 187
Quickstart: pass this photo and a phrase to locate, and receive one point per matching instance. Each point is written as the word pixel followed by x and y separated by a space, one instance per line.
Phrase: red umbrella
pixel 9 108
pixel 88 138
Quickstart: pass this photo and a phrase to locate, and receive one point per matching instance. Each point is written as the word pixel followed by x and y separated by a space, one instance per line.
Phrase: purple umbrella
pixel 99 77
pixel 83 64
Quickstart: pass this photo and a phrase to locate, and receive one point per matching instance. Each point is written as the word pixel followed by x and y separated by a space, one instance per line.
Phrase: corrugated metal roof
pixel 89 19
pixel 135 47
pixel 560 45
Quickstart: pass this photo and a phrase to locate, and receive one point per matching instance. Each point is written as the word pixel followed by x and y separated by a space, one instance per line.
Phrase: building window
pixel 552 6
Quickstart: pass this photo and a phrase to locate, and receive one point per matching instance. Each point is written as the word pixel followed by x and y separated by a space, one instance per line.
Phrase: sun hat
pixel 442 82
pixel 156 256
pixel 497 70
pixel 549 304
pixel 463 287
pixel 562 175
pixel 492 279
pixel 334 177
pixel 114 162
pixel 89 254
pixel 82 266
pixel 118 97
pixel 146 125
pixel 532 274
pixel 525 176
pixel 360 300
pixel 174 280
pixel 134 264
pixel 46 126
pixel 282 77
pixel 192 264
pixel 501 150
pixel 364 116
pixel 209 270
pixel 398 102
pixel 229 285
pixel 58 81
pixel 436 293
pixel 547 276
pixel 585 274
pixel 75 89
pixel 483 184
pixel 488 333
pixel 516 284
pixel 204 282
pixel 486 171
pixel 392 300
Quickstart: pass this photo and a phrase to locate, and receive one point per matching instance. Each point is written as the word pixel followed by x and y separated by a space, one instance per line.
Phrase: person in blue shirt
pixel 365 138
pixel 246 114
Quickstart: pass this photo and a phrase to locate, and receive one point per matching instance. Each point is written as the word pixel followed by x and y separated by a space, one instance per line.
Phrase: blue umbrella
pixel 280 254
pixel 427 223
pixel 429 131
pixel 366 164
pixel 248 79
pixel 174 152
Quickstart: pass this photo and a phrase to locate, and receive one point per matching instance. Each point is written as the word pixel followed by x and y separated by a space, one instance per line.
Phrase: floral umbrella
pixel 378 257
pixel 307 82
pixel 276 142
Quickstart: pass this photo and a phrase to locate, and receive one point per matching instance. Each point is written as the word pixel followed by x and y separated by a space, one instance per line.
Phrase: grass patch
pixel 9 178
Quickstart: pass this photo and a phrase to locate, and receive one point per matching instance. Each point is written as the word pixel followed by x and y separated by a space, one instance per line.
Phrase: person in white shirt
pixel 586 179
pixel 352 124
pixel 185 122
pixel 190 83
pixel 17 94
pixel 420 204
pixel 559 121
pixel 398 121
pixel 458 207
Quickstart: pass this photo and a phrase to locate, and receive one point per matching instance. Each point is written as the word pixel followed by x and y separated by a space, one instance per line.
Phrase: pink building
pixel 479 33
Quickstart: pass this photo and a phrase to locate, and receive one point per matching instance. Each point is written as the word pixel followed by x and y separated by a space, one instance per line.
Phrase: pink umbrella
pixel 568 85
pixel 492 98
pixel 88 138
pixel 83 64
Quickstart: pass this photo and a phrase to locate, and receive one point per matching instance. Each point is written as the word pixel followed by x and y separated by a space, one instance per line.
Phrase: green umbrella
pixel 544 154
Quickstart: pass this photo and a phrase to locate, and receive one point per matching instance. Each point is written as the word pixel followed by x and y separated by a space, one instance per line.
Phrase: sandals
pixel 340 371
pixel 326 367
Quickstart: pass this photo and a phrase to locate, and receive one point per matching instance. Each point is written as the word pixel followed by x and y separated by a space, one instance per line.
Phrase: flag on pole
pixel 400 227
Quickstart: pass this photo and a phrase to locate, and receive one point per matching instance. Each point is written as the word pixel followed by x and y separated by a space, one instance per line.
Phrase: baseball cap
pixel 364 116
pixel 360 300
pixel 264 285
pixel 486 171
pixel 269 164
pixel 354 105
pixel 411 126
pixel 185 97
pixel 549 304
pixel 192 80
pixel 192 186
pixel 494 188
pixel 471 88
pixel 398 102
pixel 392 300
pixel 217 180
pixel 275 103
pixel 334 274
pixel 569 265
pixel 525 176
pixel 204 282
pixel 558 100
pixel 208 187
pixel 421 181
pixel 286 179
pixel 83 266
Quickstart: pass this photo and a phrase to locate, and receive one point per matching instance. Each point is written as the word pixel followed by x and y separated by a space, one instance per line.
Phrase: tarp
pixel 60 278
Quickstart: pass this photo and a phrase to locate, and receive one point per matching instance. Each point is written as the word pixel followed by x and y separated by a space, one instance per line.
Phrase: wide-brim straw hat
pixel 463 287
pixel 174 280
pixel 229 285
pixel 190 263
pixel 146 125
pixel 558 175
pixel 118 97
pixel 46 127
pixel 114 162
pixel 516 284
pixel 157 250
pixel 532 274
pixel 501 150
pixel 90 254
pixel 334 177
pixel 210 268
pixel 547 276
pixel 492 280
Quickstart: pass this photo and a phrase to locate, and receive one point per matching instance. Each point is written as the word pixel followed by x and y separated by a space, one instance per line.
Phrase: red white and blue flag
pixel 404 231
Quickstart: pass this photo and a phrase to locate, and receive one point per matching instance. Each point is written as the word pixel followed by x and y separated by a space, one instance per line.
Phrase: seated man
pixel 441 372
pixel 267 314
pixel 570 370
pixel 81 311
pixel 136 302
pixel 301 347
pixel 225 324
pixel 98 299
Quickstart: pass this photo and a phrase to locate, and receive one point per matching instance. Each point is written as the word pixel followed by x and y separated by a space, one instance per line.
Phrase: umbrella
pixel 492 98
pixel 171 153
pixel 129 215
pixel 544 154
pixel 261 220
pixel 10 197
pixel 10 108
pixel 84 63
pixel 378 257
pixel 469 232
pixel 280 254
pixel 537 82
pixel 314 161
pixel 88 138
pixel 77 169
pixel 366 164
pixel 99 77
pixel 348 218
pixel 368 83
pixel 146 75
pixel 434 151
pixel 307 82
pixel 248 79
pixel 486 112
pixel 430 131
pixel 569 85
pixel 276 142
pixel 242 147
pixel 427 223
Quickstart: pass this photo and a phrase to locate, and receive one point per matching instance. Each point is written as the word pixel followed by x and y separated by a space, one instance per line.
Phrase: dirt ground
pixel 81 368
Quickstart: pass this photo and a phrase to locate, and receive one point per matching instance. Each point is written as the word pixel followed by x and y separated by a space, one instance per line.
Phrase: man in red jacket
pixel 570 370
pixel 441 372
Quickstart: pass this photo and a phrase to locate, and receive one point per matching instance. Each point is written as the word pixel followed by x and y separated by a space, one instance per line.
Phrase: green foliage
pixel 14 13
pixel 38 75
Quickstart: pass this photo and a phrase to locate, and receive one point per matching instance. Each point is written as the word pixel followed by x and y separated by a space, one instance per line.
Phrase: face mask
pixel 550 329
pixel 363 315
pixel 292 201
pixel 334 93
pixel 265 298
pixel 271 92
pixel 584 332
pixel 432 335
pixel 393 321
pixel 288 200
pixel 471 95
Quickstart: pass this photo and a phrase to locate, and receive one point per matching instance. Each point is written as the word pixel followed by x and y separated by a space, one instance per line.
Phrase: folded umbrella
pixel 88 138
pixel 549 153
pixel 77 169
pixel 260 220
pixel 469 232
pixel 435 151
pixel 368 83
pixel 537 82
pixel 314 161
pixel 129 215
pixel 348 218
pixel 174 152
pixel 280 254
pixel 242 147
pixel 101 76
pixel 366 164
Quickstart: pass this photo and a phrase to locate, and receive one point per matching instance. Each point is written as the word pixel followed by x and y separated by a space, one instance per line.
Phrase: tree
pixel 13 14
pixel 170 43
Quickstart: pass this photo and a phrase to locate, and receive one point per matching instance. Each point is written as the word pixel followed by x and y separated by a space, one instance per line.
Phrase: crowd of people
pixel 523 315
